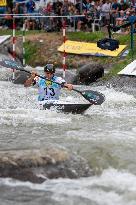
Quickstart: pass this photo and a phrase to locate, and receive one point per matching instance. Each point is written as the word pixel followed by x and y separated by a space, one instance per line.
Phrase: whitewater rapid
pixel 104 135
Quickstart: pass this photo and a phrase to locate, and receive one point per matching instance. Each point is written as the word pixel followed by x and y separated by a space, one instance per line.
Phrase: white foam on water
pixel 32 117
pixel 19 105
pixel 118 97
pixel 110 188
pixel 106 125
pixel 115 102
pixel 113 120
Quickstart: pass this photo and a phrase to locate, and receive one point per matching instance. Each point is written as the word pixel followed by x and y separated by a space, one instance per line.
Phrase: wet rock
pixel 70 77
pixel 21 77
pixel 120 82
pixel 90 73
pixel 19 48
pixel 38 165
pixel 21 174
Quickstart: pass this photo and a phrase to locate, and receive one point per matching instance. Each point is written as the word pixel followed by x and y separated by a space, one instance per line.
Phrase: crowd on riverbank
pixel 99 13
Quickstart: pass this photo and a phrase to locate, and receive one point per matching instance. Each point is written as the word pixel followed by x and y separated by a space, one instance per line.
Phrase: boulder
pixel 89 73
pixel 70 77
pixel 19 48
pixel 39 164
pixel 21 77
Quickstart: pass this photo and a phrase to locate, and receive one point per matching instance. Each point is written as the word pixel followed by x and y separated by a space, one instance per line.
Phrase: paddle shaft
pixel 14 65
pixel 78 91
pixel 93 97
pixel 41 77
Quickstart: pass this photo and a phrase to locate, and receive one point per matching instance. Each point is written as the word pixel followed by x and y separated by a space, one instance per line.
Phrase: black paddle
pixel 93 97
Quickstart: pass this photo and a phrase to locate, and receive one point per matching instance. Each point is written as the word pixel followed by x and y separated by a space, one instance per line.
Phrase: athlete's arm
pixel 31 81
pixel 63 83
pixel 69 86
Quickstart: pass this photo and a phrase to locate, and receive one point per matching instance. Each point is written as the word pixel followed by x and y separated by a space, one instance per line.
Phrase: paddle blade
pixel 93 97
pixel 11 64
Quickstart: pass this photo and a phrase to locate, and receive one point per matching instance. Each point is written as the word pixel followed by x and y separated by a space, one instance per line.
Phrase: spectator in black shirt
pixel 57 7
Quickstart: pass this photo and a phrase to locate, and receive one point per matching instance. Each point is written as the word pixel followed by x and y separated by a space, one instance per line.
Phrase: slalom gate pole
pixel 14 16
pixel 14 45
pixel 64 49
pixel 24 60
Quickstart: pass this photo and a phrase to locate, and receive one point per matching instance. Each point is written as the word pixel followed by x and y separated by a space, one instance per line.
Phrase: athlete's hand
pixel 33 74
pixel 69 86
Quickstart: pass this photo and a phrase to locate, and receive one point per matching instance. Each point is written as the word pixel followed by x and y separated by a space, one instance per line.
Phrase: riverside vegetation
pixel 40 47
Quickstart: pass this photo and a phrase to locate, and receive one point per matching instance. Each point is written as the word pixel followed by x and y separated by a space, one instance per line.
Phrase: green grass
pixel 18 32
pixel 85 36
pixel 118 63
pixel 30 51
pixel 82 36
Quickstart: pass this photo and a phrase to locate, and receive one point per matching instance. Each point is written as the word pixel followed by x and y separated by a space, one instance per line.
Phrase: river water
pixel 105 136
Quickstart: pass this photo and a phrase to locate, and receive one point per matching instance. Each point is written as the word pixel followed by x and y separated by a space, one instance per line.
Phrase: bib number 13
pixel 50 90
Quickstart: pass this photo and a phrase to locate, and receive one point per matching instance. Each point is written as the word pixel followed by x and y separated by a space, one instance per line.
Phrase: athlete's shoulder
pixel 58 79
pixel 36 78
pixel 39 81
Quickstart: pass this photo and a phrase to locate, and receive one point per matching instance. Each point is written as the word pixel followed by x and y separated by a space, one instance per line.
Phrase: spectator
pixel 123 5
pixel 30 5
pixel 116 7
pixel 78 6
pixel 30 24
pixel 48 8
pixel 57 7
pixel 121 18
pixel 97 7
pixel 64 9
pixel 82 22
pixel 105 12
pixel 18 9
pixel 87 6
pixel 8 21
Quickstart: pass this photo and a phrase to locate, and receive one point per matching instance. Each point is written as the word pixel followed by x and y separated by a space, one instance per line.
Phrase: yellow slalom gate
pixel 83 48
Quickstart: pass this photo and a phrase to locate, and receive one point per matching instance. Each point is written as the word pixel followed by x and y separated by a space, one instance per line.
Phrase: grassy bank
pixel 39 53
pixel 116 64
